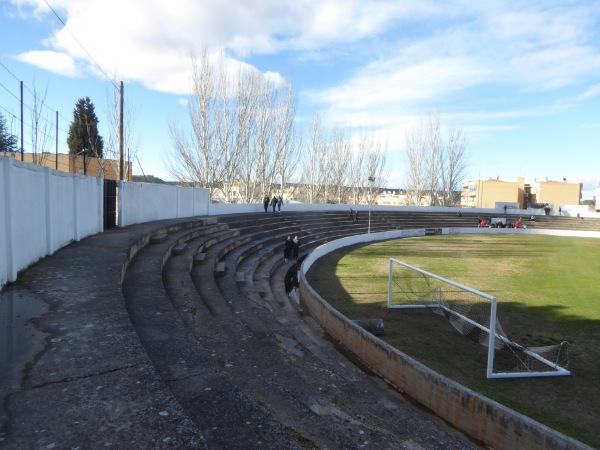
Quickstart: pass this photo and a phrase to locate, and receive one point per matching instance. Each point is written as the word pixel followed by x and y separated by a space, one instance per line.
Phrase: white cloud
pixel 52 61
pixel 395 89
pixel 591 92
pixel 543 46
pixel 152 41
pixel 398 54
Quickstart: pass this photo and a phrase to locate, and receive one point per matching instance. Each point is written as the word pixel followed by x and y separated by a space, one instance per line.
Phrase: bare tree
pixel 225 119
pixel 417 169
pixel 315 161
pixel 41 133
pixel 241 131
pixel 435 167
pixel 195 157
pixel 435 155
pixel 360 147
pixel 263 136
pixel 290 163
pixel 245 105
pixel 338 167
pixel 369 160
pixel 375 170
pixel 285 140
pixel 455 164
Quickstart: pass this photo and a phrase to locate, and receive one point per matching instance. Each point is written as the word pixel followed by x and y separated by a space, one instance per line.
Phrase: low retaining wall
pixel 479 417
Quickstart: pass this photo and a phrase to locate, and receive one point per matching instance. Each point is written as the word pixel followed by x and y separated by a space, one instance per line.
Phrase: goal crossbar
pixel 550 368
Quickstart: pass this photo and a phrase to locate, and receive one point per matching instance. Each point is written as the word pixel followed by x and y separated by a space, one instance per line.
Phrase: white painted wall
pixel 41 210
pixel 145 202
pixel 5 229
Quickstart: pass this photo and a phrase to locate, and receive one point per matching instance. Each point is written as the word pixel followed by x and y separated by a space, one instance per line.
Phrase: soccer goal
pixel 474 315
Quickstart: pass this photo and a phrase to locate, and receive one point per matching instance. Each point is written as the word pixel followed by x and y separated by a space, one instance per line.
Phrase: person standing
pixel 294 294
pixel 279 203
pixel 266 203
pixel 295 247
pixel 287 248
pixel 274 203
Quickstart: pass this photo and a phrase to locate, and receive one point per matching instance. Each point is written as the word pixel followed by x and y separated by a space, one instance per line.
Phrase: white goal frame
pixel 554 369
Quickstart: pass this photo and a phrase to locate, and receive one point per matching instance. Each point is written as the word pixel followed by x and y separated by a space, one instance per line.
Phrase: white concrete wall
pixel 5 229
pixel 145 202
pixel 41 210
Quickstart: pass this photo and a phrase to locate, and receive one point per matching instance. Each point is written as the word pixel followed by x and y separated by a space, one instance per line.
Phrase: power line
pixel 34 95
pixel 7 69
pixel 81 45
pixel 10 93
pixel 33 111
pixel 46 133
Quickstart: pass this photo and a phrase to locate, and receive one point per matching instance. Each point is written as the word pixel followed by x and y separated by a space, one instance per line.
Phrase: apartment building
pixel 488 193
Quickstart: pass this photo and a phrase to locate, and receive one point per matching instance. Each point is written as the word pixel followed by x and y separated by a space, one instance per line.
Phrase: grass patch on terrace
pixel 547 289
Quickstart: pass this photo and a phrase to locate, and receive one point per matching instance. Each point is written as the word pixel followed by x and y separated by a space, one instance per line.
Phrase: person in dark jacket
pixel 287 248
pixel 295 247
pixel 266 203
pixel 274 203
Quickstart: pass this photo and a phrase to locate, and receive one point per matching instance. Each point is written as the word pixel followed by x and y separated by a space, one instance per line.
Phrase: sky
pixel 521 78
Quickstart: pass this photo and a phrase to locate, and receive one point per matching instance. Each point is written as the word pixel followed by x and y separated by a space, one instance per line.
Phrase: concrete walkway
pixel 90 363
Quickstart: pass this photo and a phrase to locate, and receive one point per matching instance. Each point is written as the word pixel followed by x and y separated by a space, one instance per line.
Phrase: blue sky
pixel 523 78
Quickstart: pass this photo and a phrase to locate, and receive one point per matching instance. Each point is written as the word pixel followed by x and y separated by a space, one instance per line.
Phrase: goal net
pixel 474 315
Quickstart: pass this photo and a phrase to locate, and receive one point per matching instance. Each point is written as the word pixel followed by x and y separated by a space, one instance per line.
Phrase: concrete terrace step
pixel 260 250
pixel 184 296
pixel 260 325
pixel 183 359
pixel 257 242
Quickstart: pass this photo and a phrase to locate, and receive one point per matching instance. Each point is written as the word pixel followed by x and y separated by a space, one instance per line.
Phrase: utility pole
pixel 21 121
pixel 121 132
pixel 371 179
pixel 56 136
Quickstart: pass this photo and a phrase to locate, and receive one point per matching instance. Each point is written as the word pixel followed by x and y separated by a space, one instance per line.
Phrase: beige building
pixel 556 193
pixel 93 167
pixel 399 198
pixel 487 193
pixel 396 198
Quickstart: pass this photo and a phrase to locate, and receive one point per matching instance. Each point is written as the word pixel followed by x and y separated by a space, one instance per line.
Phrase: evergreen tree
pixel 8 142
pixel 83 133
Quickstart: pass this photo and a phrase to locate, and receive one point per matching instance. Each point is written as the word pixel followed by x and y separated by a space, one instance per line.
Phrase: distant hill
pixel 153 179
pixel 148 179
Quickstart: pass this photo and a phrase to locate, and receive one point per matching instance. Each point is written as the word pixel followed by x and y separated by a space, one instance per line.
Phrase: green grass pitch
pixel 548 290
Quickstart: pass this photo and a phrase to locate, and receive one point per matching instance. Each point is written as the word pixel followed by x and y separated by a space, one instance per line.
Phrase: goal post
pixel 473 314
